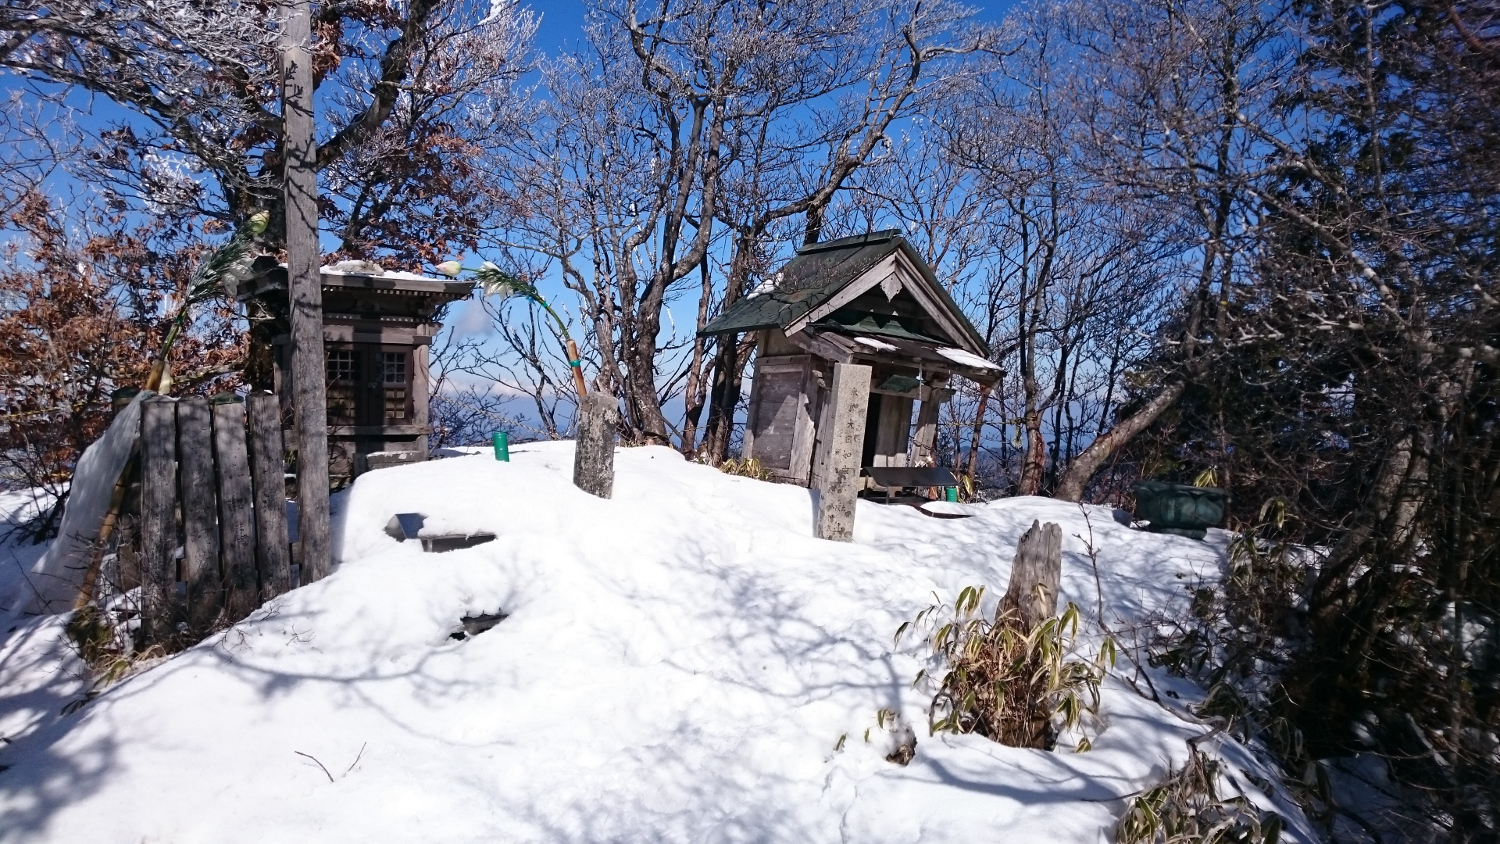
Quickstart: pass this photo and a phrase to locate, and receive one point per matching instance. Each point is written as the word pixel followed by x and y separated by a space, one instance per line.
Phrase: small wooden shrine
pixel 869 300
pixel 377 326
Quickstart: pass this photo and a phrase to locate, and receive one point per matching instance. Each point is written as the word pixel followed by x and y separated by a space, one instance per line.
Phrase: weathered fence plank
pixel 594 444
pixel 202 513
pixel 158 519
pixel 273 560
pixel 236 518
pixel 838 484
pixel 1036 574
pixel 200 522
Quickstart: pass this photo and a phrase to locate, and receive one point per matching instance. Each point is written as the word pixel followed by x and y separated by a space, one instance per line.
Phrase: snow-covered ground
pixel 680 663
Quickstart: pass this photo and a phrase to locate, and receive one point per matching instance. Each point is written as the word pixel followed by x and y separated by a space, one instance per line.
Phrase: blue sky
pixel 562 22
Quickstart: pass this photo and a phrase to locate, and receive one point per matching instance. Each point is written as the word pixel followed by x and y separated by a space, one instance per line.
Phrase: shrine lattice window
pixel 343 369
pixel 369 384
pixel 393 385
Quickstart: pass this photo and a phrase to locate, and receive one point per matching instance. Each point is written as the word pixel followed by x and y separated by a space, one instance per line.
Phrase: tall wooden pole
pixel 305 291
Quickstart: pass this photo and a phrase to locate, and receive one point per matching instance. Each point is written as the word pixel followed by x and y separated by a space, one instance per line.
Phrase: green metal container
pixel 502 446
pixel 1179 509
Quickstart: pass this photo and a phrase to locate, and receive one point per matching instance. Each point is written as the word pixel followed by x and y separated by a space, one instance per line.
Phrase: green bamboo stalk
pixel 208 281
pixel 496 281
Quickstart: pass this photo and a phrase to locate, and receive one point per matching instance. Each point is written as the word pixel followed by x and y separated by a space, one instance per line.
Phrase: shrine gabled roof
pixel 818 273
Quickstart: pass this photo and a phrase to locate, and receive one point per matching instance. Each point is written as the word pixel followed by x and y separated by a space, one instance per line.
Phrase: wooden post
pixel 273 561
pixel 236 519
pixel 200 524
pixel 839 476
pixel 158 519
pixel 306 292
pixel 421 396
pixel 821 430
pixel 594 444
pixel 127 548
pixel 805 438
pixel 924 441
pixel 1036 575
pixel 892 430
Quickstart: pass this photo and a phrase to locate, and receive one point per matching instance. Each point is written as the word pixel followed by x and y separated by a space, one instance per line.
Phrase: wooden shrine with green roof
pixel 868 300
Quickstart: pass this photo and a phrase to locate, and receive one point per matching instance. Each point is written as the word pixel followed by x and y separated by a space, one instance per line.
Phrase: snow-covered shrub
pixel 1186 807
pixel 1016 686
pixel 750 467
pixel 1240 637
pixel 105 641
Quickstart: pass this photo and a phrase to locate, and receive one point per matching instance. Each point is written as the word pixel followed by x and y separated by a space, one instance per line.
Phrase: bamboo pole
pixel 577 366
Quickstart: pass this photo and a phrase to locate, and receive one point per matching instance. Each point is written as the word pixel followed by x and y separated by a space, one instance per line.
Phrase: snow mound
pixel 684 662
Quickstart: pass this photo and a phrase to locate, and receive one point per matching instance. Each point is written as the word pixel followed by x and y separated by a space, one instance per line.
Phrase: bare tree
pixel 476 388
pixel 675 143
pixel 1073 272
pixel 1178 86
pixel 36 141
pixel 884 81
pixel 399 82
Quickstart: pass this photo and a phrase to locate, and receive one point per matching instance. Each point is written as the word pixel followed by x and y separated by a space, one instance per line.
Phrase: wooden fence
pixel 212 485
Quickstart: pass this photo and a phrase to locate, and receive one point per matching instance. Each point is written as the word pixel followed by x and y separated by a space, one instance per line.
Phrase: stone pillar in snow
pixel 839 481
pixel 594 441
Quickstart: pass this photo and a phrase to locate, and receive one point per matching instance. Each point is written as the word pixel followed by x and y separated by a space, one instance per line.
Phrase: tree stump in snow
pixel 1035 575
pixel 594 441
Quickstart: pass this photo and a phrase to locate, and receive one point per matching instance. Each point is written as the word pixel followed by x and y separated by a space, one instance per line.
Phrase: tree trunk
pixel 306 293
pixel 1082 468
pixel 729 360
pixel 723 396
pixel 1325 603
pixel 650 422
pixel 977 432
pixel 1034 464
pixel 695 392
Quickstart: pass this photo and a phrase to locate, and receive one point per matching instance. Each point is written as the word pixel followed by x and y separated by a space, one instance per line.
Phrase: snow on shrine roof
pixel 968 359
pixel 890 348
pixel 396 281
pixel 393 275
pixel 354 274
